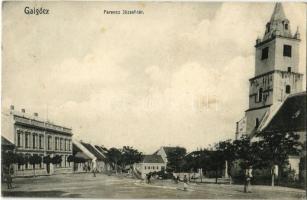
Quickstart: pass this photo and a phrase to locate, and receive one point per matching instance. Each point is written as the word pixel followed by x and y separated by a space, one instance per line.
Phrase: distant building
pixel 84 156
pixel 100 160
pixel 240 128
pixel 150 163
pixel 33 135
pixel 276 72
pixel 164 152
pixel 92 155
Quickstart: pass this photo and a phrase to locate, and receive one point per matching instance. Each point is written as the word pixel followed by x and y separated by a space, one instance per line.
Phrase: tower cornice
pixel 273 71
pixel 273 38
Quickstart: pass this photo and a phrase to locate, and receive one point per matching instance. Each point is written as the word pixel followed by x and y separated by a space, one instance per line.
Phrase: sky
pixel 176 75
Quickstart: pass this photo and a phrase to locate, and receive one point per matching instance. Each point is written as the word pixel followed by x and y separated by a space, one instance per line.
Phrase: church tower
pixel 276 69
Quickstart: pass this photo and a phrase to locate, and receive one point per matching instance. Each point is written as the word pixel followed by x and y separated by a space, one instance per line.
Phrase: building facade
pixel 276 71
pixel 32 135
pixel 99 163
pixel 149 164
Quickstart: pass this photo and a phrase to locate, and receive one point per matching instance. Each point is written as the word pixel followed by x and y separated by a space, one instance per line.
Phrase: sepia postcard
pixel 153 100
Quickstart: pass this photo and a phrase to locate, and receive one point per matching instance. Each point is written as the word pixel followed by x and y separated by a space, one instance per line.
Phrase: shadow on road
pixel 55 193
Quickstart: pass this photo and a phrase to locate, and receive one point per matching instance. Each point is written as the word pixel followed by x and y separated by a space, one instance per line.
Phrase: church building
pixel 276 72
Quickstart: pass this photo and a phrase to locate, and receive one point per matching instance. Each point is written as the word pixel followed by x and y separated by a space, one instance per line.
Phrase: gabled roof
pixel 291 115
pixel 82 151
pixel 167 150
pixel 77 152
pixel 94 151
pixel 102 149
pixel 5 143
pixel 152 159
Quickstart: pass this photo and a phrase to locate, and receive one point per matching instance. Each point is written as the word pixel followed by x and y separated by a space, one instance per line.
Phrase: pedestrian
pixel 94 166
pixel 248 176
pixel 88 168
pixel 175 179
pixel 94 172
pixel 9 181
pixel 148 177
pixel 185 182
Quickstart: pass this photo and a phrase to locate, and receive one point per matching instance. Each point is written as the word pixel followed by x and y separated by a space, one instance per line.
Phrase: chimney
pixel 36 114
pixel 23 110
pixel 12 107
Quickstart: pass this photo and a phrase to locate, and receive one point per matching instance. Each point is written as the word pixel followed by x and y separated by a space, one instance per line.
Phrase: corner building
pixel 32 135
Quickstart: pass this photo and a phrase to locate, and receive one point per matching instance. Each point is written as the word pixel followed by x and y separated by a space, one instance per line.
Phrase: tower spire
pixel 278 25
pixel 278 13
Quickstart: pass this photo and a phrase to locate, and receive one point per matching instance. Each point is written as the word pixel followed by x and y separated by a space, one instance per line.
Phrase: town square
pixel 169 100
pixel 102 185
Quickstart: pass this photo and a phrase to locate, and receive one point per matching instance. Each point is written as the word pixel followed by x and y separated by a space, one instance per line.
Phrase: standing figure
pixel 177 179
pixel 94 167
pixel 248 176
pixel 9 181
pixel 185 182
pixel 148 177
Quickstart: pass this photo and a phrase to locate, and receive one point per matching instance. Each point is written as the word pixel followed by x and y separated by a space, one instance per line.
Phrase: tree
pixel 21 159
pixel 215 160
pixel 130 156
pixel 247 152
pixel 115 156
pixel 75 160
pixel 302 165
pixel 175 159
pixel 47 160
pixel 57 159
pixel 35 159
pixel 276 148
pixel 193 162
pixel 8 158
pixel 70 158
pixel 228 153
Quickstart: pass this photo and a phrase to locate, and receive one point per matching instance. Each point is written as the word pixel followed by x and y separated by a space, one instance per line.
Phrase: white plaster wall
pixel 162 153
pixel 281 79
pixel 266 65
pixel 7 126
pixel 294 162
pixel 283 62
pixel 266 83
pixel 251 118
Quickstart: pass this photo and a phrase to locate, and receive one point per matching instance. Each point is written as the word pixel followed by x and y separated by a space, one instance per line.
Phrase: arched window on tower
pixel 288 89
pixel 286 26
pixel 260 95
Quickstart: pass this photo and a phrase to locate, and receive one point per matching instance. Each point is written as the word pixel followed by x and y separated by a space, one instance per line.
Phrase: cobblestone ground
pixel 103 186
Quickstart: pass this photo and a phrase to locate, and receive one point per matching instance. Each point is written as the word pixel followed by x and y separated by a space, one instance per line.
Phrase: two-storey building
pixel 33 135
